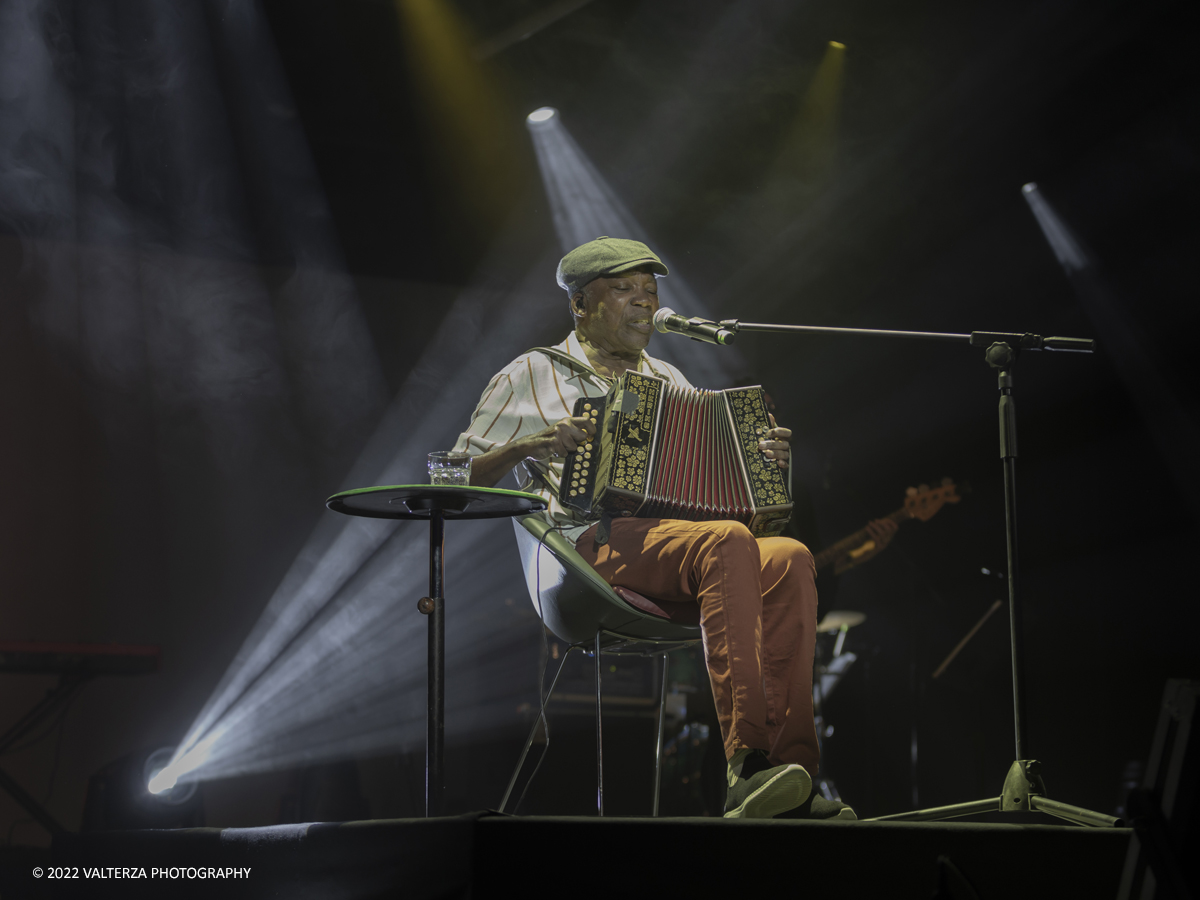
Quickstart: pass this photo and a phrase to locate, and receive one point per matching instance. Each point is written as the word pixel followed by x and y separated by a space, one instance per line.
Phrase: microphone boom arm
pixel 974 339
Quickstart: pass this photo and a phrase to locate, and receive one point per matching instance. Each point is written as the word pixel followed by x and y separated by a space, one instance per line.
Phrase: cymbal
pixel 838 619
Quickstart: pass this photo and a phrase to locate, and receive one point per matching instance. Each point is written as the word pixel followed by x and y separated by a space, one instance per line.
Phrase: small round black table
pixel 436 503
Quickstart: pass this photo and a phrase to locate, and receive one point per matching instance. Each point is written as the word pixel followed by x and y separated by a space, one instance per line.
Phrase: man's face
pixel 616 312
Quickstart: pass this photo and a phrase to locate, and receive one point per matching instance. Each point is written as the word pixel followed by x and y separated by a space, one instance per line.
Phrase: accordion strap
pixel 568 359
pixel 603 528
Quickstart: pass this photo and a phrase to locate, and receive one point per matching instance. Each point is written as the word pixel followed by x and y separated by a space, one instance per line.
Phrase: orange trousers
pixel 758 612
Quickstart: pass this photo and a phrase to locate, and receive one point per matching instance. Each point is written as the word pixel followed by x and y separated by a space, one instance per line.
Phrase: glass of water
pixel 450 467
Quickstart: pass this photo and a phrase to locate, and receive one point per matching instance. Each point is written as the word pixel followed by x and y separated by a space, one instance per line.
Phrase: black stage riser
pixel 481 855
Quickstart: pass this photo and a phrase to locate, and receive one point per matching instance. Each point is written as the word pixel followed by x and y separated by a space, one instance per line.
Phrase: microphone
pixel 666 319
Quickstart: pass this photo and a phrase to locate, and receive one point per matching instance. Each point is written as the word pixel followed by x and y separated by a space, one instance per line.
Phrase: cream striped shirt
pixel 536 390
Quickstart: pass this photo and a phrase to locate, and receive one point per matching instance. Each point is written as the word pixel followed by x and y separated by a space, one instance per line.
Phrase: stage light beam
pixel 1174 431
pixel 160 782
pixel 809 149
pixel 1071 256
pixel 584 206
pixel 469 131
pixel 335 667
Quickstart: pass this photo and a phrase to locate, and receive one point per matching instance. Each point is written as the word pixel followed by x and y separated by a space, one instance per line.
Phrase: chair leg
pixel 512 782
pixel 599 733
pixel 662 715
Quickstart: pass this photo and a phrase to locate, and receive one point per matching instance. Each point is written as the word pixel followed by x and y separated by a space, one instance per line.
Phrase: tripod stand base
pixel 1023 791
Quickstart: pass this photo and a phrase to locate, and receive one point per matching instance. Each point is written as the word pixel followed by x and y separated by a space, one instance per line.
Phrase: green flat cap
pixel 604 256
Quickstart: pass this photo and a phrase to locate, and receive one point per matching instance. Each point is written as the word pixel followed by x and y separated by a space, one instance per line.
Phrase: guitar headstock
pixel 923 502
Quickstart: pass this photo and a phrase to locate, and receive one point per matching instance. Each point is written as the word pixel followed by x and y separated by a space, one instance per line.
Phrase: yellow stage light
pixel 470 135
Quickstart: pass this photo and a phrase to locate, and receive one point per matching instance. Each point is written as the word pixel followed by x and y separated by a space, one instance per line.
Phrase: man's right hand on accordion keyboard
pixel 565 436
pixel 558 440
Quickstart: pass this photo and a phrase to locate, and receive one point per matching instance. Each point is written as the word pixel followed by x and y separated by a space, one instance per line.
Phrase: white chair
pixel 584 611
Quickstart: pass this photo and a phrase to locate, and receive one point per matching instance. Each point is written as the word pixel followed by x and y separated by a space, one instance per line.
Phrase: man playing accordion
pixel 757 597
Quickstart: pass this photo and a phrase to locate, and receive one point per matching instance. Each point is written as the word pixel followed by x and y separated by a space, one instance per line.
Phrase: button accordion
pixel 666 452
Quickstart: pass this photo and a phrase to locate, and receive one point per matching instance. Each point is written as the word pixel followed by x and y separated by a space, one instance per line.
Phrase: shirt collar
pixel 574 349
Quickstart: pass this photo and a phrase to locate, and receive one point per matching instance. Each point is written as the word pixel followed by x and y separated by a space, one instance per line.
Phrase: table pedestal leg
pixel 436 707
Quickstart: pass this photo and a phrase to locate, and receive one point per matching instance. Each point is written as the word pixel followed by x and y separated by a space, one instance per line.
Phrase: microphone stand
pixel 1023 787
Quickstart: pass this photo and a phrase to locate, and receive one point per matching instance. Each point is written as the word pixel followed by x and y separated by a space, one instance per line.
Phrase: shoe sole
pixel 807 814
pixel 785 791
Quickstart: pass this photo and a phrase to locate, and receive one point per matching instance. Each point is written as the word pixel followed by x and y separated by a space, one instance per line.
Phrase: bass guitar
pixel 919 503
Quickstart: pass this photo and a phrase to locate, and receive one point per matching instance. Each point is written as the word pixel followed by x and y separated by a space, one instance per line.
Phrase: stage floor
pixel 484 853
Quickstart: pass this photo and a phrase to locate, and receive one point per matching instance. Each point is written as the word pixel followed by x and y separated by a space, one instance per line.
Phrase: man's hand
pixel 563 437
pixel 776 444
pixel 881 531
pixel 559 439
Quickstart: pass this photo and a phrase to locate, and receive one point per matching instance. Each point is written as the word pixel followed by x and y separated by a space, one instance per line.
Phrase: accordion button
pixel 587 455
pixel 586 407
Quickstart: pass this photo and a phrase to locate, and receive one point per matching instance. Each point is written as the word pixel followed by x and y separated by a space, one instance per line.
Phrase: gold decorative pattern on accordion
pixel 634 431
pixel 767 478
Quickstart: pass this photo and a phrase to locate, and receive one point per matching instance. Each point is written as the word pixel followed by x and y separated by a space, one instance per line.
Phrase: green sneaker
pixel 758 790
pixel 817 807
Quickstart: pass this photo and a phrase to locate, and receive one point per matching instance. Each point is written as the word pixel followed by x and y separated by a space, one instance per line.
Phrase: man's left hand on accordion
pixel 776 443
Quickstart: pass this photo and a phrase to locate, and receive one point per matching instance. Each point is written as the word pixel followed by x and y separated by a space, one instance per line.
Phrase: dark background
pixel 686 108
